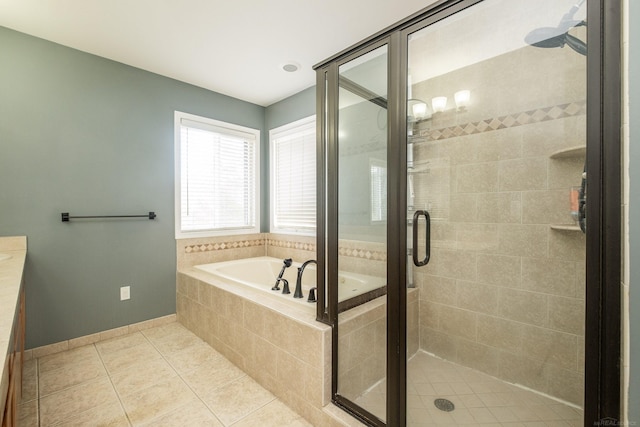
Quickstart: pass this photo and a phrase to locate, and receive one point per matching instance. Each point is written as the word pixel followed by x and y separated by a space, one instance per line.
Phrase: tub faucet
pixel 287 263
pixel 298 292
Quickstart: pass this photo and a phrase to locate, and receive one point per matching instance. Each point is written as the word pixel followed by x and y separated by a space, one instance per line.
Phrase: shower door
pixel 496 153
pixel 361 226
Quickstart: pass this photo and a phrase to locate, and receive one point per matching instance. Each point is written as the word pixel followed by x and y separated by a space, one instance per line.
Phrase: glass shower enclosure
pixel 454 155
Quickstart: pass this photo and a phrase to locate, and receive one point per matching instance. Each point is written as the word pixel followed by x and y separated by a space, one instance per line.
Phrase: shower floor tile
pixel 478 399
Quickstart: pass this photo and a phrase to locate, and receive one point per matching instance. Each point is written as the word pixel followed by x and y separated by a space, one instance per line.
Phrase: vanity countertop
pixel 13 251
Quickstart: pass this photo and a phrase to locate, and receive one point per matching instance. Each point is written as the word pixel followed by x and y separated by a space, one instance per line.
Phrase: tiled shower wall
pixel 504 292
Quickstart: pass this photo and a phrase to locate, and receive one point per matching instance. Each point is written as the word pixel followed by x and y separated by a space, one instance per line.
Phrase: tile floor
pixel 164 376
pixel 478 399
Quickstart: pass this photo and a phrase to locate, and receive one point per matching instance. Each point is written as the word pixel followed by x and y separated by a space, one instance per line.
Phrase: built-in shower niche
pixel 504 291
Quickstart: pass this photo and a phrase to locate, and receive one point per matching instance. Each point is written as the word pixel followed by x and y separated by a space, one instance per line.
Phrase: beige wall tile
pixel 478 356
pixel 523 174
pixel 546 207
pixel 438 343
pixel 500 270
pixel 565 384
pixel 567 245
pixel 499 207
pixel 567 315
pixel 436 289
pixel 478 237
pixel 464 207
pixel 522 370
pixel 458 322
pixel 523 240
pixel 552 347
pixel 545 138
pixel 500 333
pixel 565 173
pixel 477 297
pixel 477 178
pixel 549 276
pixel 523 306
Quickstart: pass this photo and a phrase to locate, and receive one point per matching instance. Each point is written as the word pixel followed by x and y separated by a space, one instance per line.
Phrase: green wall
pixel 634 210
pixel 86 135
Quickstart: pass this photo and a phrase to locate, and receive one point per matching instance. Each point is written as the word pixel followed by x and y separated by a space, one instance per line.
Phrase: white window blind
pixel 293 177
pixel 378 173
pixel 218 179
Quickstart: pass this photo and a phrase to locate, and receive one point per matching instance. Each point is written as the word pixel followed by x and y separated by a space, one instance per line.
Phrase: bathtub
pixel 261 273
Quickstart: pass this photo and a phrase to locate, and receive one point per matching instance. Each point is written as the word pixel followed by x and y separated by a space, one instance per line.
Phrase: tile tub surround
pixel 278 343
pixel 11 275
pixel 363 340
pixel 163 375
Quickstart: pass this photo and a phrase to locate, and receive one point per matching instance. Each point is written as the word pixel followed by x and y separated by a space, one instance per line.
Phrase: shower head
pixel 552 37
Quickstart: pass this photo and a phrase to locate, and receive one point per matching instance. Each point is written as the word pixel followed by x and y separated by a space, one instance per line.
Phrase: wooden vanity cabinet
pixel 15 363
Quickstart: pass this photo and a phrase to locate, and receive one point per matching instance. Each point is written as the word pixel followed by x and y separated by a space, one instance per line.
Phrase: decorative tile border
pixel 292 244
pixel 217 246
pixel 503 122
pixel 362 253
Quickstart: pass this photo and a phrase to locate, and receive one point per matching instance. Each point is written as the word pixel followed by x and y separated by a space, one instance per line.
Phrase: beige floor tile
pixel 176 342
pixel 59 406
pixel 122 342
pixel 211 375
pixel 165 332
pixel 107 415
pixel 193 414
pixel 69 357
pixel 274 414
pixel 28 414
pixel 237 399
pixel 156 400
pixel 192 357
pixel 70 375
pixel 143 374
pixel 30 380
pixel 124 358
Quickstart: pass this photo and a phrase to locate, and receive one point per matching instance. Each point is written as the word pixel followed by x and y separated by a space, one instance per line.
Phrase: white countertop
pixel 11 270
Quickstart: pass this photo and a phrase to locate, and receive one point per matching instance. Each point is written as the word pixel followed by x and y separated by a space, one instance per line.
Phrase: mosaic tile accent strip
pixel 291 245
pixel 503 122
pixel 362 253
pixel 208 247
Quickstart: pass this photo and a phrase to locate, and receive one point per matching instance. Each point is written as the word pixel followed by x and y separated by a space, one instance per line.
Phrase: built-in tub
pixel 262 272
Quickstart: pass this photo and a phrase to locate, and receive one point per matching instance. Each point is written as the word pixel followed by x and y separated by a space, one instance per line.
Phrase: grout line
pixel 181 378
pixel 126 414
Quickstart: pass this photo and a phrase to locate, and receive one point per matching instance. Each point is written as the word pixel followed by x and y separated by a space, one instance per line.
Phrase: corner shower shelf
pixel 565 227
pixel 566 153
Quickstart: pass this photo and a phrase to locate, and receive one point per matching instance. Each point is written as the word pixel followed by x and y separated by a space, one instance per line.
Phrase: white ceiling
pixel 234 47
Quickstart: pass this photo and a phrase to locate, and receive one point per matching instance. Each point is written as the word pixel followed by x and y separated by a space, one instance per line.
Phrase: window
pixel 378 173
pixel 217 177
pixel 293 177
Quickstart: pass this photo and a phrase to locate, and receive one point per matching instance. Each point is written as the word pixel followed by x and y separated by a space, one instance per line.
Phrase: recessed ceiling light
pixel 291 67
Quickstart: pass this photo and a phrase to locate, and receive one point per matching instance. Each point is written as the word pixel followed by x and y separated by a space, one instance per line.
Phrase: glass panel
pixel 497 131
pixel 362 230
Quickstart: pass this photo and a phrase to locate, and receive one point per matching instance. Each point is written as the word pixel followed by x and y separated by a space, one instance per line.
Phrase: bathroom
pixel 103 143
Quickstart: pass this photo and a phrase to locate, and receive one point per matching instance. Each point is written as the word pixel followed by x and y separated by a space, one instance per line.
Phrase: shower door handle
pixel 427 238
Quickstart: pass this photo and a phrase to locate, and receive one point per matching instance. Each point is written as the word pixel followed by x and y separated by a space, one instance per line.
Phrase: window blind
pixel 217 177
pixel 293 175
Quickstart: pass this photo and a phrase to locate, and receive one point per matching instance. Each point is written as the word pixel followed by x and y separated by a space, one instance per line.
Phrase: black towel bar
pixel 66 217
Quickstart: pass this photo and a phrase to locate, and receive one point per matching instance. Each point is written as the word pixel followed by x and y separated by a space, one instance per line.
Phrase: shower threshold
pixel 475 398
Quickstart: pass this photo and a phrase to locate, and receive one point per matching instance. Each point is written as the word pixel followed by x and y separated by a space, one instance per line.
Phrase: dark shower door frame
pixel 603 240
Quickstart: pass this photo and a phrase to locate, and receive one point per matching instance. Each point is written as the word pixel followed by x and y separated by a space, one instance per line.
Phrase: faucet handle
pixel 285 287
pixel 312 295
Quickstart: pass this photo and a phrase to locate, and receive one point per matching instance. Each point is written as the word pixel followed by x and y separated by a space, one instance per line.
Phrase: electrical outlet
pixel 125 293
